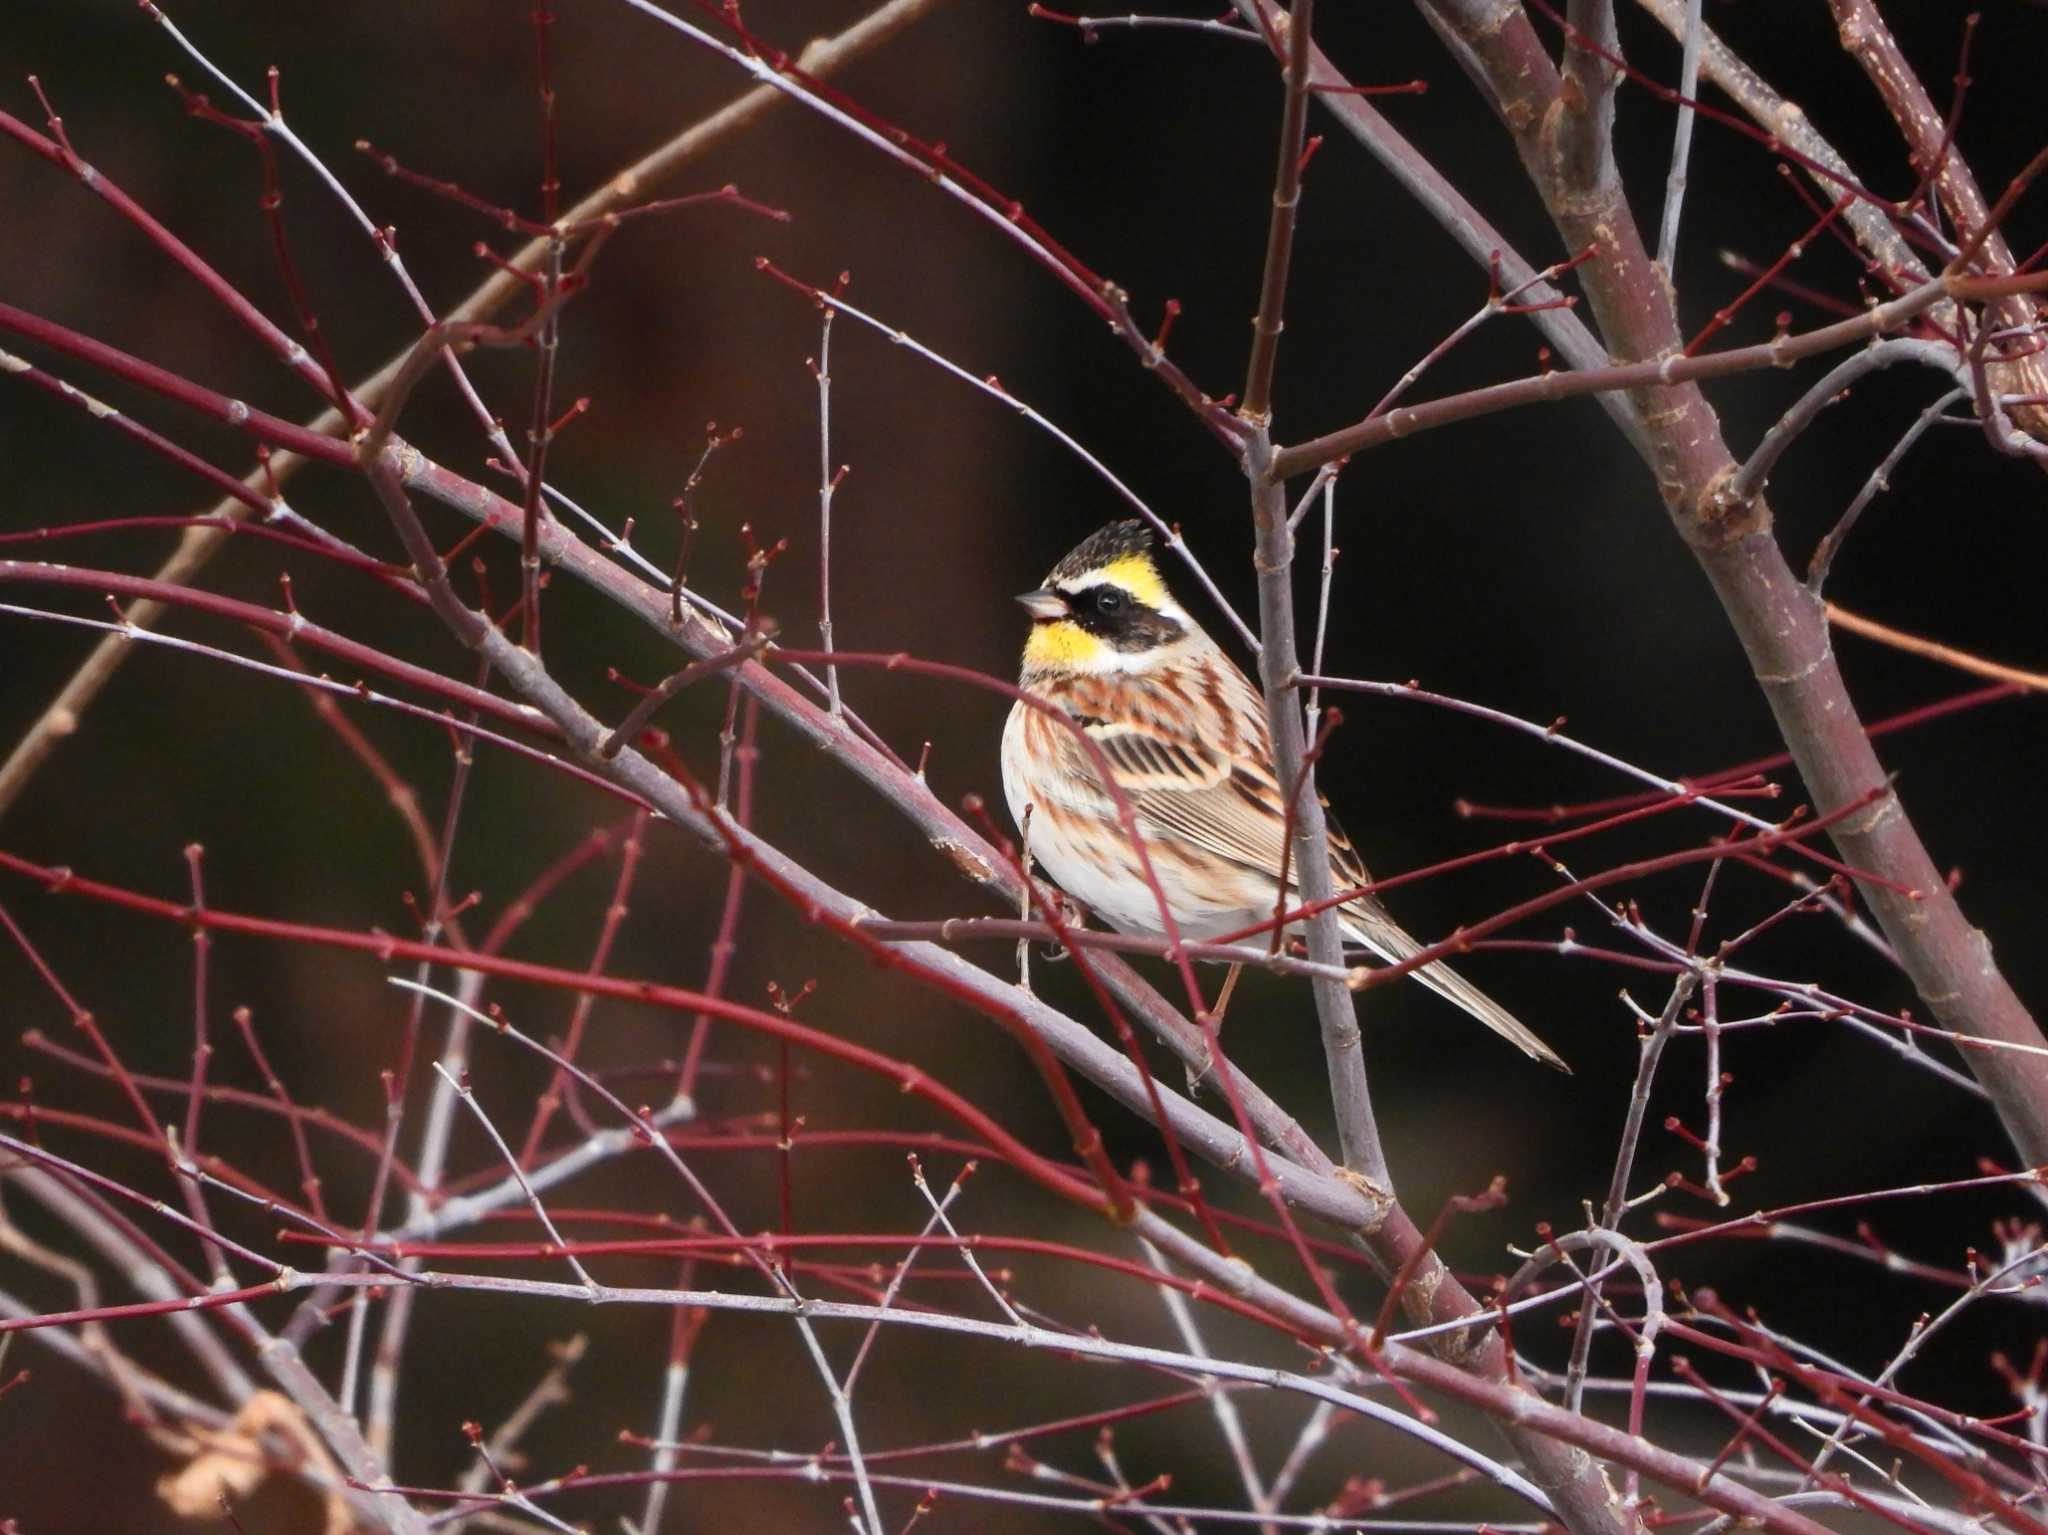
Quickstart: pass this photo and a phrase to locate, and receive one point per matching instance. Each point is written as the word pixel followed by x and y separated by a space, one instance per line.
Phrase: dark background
pixel 1522 561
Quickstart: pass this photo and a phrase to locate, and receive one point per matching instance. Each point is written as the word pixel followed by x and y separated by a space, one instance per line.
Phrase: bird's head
pixel 1104 608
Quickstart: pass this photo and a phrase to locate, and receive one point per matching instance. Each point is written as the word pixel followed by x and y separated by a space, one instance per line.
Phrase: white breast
pixel 1075 841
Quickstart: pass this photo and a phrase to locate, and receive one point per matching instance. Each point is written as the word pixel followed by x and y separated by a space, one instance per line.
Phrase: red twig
pixel 1186 1183
pixel 614 917
pixel 386 948
pixel 1457 1204
pixel 1792 253
pixel 86 1024
pixel 272 203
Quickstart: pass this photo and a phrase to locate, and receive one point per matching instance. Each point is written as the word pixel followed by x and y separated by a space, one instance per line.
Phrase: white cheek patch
pixel 1108 661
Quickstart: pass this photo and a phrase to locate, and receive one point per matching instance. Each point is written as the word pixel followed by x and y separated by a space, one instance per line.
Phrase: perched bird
pixel 1185 735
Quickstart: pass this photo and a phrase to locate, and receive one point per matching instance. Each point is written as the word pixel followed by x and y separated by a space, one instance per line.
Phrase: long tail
pixel 1369 925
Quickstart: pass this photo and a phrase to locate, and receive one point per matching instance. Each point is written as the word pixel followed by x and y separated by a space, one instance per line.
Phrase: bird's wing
pixel 1203 776
pixel 1216 790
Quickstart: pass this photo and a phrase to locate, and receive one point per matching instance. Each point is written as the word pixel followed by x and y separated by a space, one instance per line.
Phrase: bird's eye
pixel 1108 600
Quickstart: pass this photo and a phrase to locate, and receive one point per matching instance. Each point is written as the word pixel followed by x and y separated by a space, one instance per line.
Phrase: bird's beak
pixel 1043 605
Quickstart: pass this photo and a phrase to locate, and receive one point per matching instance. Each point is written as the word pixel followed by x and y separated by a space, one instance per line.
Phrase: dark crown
pixel 1102 547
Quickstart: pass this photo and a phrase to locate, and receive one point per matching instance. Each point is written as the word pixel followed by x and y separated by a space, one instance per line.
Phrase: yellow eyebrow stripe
pixel 1136 574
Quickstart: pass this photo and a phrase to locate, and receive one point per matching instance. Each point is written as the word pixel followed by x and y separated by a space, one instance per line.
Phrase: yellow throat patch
pixel 1061 644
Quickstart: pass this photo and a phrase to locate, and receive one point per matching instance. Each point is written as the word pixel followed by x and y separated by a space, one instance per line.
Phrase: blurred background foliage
pixel 1522 561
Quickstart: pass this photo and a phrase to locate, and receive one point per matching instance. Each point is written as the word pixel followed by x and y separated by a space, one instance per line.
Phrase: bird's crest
pixel 1120 552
